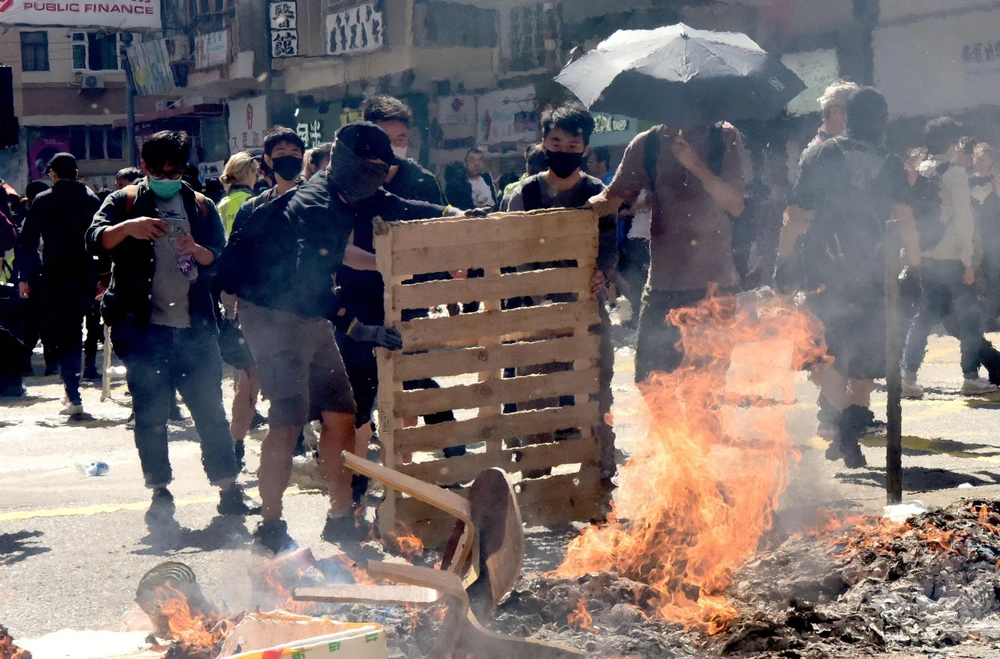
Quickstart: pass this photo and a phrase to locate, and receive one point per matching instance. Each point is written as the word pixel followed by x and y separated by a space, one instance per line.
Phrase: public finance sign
pixel 939 65
pixel 119 15
pixel 356 30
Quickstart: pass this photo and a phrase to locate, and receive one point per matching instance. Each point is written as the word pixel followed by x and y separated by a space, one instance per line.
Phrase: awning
pixel 182 112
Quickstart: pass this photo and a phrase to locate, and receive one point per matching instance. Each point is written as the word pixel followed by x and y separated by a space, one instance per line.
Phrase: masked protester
pixel 566 137
pixel 164 239
pixel 289 251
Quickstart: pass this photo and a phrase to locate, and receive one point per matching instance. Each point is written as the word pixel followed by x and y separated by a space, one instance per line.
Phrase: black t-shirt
pixel 415 183
pixel 853 187
pixel 986 208
pixel 361 292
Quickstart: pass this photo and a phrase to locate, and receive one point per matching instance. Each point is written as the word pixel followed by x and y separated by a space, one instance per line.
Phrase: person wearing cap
pixel 163 239
pixel 60 217
pixel 289 257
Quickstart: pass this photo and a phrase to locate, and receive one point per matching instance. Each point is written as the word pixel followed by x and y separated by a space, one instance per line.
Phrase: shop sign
pixel 356 30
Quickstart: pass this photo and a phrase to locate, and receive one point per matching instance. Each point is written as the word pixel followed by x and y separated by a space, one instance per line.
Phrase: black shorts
pixel 301 371
pixel 854 322
pixel 362 370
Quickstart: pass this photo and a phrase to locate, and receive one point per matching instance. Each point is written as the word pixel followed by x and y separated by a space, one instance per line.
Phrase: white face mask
pixel 400 151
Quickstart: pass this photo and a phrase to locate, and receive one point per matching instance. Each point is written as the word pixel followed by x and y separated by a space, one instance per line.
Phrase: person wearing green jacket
pixel 239 178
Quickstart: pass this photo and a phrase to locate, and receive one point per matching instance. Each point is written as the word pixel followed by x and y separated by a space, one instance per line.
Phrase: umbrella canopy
pixel 682 76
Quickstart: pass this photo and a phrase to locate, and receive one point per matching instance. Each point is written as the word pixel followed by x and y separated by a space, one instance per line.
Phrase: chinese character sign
pixel 284 29
pixel 311 133
pixel 247 123
pixel 356 30
pixel 211 49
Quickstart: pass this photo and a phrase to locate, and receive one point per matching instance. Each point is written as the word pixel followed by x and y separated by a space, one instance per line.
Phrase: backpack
pixel 926 205
pixel 132 192
pixel 231 269
pixel 531 194
pixel 716 151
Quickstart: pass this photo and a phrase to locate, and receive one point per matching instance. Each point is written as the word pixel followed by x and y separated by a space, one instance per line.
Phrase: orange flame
pixel 186 626
pixel 405 542
pixel 581 618
pixel 717 456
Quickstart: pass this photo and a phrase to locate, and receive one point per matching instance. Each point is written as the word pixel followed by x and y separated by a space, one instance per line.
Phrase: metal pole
pixel 893 356
pixel 130 113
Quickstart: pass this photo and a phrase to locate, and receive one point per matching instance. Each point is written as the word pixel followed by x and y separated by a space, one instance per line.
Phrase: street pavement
pixel 73 548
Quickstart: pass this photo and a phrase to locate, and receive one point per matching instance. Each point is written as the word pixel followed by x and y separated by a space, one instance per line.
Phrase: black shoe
pixel 90 373
pixel 162 505
pixel 231 502
pixel 259 420
pixel 359 488
pixel 175 413
pixel 852 426
pixel 272 535
pixel 240 449
pixel 347 529
pixel 51 370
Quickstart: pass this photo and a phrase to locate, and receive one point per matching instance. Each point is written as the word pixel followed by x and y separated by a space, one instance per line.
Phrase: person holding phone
pixel 164 238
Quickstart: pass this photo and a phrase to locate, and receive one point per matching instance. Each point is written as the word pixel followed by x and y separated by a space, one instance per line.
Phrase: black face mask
pixel 563 163
pixel 287 167
pixel 355 178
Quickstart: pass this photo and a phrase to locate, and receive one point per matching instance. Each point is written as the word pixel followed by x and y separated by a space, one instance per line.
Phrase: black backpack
pixel 231 269
pixel 926 205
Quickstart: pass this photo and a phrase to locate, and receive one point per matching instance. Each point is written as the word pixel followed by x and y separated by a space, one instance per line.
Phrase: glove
pixel 386 337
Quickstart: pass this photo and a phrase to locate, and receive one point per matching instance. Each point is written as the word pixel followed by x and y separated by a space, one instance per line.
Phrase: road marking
pixel 909 443
pixel 99 509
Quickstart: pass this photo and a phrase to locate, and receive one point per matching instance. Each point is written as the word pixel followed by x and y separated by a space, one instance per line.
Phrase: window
pixel 96 51
pixel 453 24
pixel 207 8
pixel 96 142
pixel 534 31
pixel 34 51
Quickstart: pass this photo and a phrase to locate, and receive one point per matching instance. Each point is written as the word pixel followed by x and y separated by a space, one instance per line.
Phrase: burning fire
pixel 581 618
pixel 192 628
pixel 405 543
pixel 7 648
pixel 717 457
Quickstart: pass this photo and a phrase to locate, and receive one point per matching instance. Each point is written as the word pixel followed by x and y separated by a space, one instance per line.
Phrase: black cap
pixel 367 141
pixel 63 164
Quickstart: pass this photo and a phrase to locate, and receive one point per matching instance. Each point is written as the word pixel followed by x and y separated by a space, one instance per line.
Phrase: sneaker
pixel 240 449
pixel 977 386
pixel 259 420
pixel 912 390
pixel 346 529
pixel 175 412
pixel 91 373
pixel 271 535
pixel 130 423
pixel 161 509
pixel 232 502
pixel 853 423
pixel 73 409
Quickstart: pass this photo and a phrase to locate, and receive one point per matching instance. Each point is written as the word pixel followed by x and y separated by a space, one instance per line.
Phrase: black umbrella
pixel 682 76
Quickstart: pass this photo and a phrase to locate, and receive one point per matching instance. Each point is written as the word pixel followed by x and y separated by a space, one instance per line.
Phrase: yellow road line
pixel 99 509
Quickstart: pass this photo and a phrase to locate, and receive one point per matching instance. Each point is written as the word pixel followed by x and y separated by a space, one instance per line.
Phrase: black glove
pixel 477 212
pixel 386 337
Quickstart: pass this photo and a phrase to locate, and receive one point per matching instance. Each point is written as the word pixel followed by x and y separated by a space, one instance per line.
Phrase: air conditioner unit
pixel 91 81
pixel 179 48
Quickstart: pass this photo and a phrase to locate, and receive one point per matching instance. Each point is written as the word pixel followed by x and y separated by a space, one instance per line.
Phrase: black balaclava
pixel 355 178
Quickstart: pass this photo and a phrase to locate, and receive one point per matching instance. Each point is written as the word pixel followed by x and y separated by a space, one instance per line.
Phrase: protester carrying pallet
pixel 164 239
pixel 566 135
pixel 288 251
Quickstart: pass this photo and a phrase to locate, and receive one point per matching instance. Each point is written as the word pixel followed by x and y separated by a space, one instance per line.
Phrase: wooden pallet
pixel 534 340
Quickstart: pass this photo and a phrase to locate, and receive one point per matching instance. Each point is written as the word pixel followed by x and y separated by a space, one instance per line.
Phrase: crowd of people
pixel 274 272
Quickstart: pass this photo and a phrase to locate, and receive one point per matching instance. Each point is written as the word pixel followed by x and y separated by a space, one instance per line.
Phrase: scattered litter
pixel 966 486
pixel 903 511
pixel 93 469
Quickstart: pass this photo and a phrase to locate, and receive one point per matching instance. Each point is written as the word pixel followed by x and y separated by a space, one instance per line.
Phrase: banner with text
pixel 132 15
pixel 247 123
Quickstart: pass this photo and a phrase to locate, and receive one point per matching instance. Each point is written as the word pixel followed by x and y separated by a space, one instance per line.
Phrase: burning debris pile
pixel 8 650
pixel 930 582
